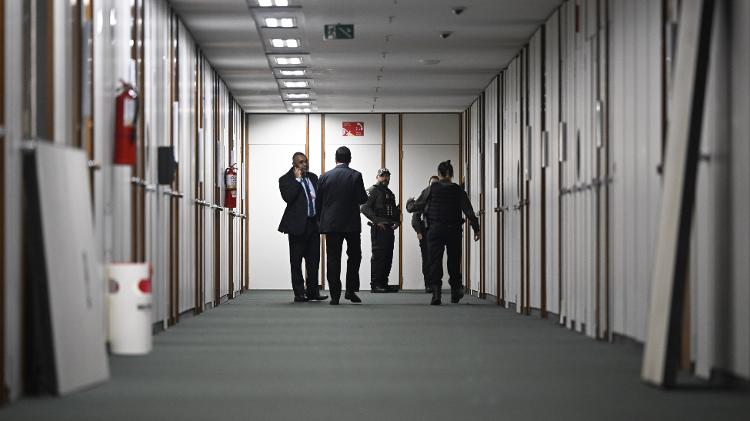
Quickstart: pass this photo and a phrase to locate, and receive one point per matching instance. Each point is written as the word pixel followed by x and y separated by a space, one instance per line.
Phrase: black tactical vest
pixel 385 203
pixel 443 204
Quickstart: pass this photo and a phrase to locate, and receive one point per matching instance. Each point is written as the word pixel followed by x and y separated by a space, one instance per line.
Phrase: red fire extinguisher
pixel 126 114
pixel 230 184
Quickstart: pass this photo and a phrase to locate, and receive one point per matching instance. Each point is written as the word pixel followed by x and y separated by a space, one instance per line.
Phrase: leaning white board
pixel 74 277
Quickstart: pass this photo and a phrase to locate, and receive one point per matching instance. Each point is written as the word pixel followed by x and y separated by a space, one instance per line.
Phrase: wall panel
pixel 420 161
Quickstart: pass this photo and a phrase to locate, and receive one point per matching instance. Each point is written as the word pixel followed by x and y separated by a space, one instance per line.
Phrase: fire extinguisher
pixel 126 114
pixel 230 184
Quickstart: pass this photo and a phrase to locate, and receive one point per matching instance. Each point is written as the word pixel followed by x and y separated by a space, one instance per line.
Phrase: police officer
pixel 442 206
pixel 384 216
pixel 420 227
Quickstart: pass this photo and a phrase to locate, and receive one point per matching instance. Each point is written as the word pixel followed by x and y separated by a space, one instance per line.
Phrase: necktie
pixel 310 207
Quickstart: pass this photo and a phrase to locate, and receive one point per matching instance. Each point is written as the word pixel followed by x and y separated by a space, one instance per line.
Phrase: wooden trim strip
pixel 400 194
pixel 322 280
pixel 3 239
pixel 382 142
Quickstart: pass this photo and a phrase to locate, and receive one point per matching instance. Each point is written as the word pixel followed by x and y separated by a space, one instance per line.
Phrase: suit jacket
pixel 295 215
pixel 340 192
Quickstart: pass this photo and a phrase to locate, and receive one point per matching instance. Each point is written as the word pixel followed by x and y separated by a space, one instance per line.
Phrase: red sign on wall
pixel 353 128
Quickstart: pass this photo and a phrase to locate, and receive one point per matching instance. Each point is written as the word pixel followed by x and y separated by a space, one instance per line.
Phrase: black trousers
pixel 425 259
pixel 442 237
pixel 382 255
pixel 305 246
pixel 334 245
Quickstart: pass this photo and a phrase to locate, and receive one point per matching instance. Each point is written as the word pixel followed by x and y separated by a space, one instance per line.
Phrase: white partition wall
pixel 208 178
pixel 428 139
pixel 512 184
pixel 187 168
pixel 474 190
pixel 635 135
pixel 532 171
pixel 272 140
pixel 366 158
pixel 549 148
pixel 490 219
pixel 156 119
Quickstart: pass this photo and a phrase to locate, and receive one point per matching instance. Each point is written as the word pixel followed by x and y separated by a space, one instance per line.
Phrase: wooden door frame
pixel 499 171
pixel 174 222
pixel 3 388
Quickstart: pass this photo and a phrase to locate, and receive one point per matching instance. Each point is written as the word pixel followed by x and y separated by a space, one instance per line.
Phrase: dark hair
pixel 433 177
pixel 343 155
pixel 445 169
pixel 296 154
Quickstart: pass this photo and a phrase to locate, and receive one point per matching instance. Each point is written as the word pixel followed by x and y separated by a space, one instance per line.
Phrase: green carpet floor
pixel 261 357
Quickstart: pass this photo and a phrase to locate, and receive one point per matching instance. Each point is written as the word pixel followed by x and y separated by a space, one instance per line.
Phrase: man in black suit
pixel 340 192
pixel 298 188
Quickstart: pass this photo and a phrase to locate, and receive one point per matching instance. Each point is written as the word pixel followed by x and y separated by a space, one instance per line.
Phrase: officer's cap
pixel 383 171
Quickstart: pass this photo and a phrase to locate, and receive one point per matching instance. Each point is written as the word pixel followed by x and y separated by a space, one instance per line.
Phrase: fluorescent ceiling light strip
pixel 294 83
pixel 298 96
pixel 272 22
pixel 288 60
pixel 288 43
pixel 287 22
pixel 292 72
pixel 300 104
pixel 271 3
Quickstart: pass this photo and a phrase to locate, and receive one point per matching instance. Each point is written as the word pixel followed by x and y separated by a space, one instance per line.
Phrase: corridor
pixel 179 178
pixel 261 357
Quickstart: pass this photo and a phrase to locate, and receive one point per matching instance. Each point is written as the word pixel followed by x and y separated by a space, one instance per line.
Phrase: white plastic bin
pixel 130 303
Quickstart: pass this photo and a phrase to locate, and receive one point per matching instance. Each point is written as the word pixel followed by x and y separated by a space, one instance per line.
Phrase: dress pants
pixel 382 256
pixel 334 245
pixel 305 246
pixel 444 237
pixel 425 259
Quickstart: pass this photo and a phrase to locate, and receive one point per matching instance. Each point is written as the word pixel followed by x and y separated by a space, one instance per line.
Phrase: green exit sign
pixel 339 31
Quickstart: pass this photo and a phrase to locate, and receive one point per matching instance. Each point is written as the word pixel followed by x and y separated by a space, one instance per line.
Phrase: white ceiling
pixel 355 75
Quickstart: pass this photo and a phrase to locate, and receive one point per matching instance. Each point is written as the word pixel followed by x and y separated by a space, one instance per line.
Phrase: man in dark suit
pixel 298 188
pixel 340 192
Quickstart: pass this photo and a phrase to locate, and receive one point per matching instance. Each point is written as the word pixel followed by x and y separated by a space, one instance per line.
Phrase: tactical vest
pixel 385 203
pixel 443 205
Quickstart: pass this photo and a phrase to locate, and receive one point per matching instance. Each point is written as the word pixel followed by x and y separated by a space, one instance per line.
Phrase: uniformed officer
pixel 442 207
pixel 420 226
pixel 384 216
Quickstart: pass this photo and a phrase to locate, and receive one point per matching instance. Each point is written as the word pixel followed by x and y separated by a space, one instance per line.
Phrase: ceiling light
pixel 300 104
pixel 298 72
pixel 282 43
pixel 271 3
pixel 298 110
pixel 294 83
pixel 283 22
pixel 307 110
pixel 298 96
pixel 288 60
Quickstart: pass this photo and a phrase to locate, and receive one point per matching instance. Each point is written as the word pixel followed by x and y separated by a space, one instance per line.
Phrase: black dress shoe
pixel 456 295
pixel 436 298
pixel 300 299
pixel 379 289
pixel 428 290
pixel 392 288
pixel 351 296
pixel 334 302
pixel 319 297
